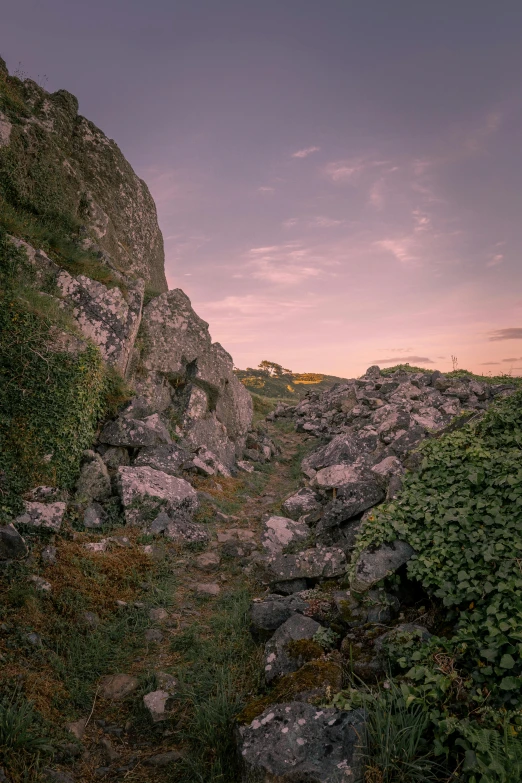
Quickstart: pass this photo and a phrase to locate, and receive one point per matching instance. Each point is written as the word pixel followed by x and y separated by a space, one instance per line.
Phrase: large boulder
pixel 299 743
pixel 145 491
pixel 375 563
pixel 166 458
pixel 45 515
pixel 180 368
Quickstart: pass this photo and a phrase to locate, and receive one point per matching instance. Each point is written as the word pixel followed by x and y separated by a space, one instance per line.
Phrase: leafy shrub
pixel 462 513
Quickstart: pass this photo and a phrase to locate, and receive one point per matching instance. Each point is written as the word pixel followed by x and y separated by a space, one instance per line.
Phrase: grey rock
pixel 160 524
pixel 158 615
pixel 114 456
pixel 144 489
pixel 267 615
pixel 135 433
pixel 280 659
pixel 57 776
pixel 46 515
pixel 320 562
pixel 117 687
pixel 295 742
pixel 181 529
pixel 376 563
pixel 300 503
pixel 167 458
pixel 91 619
pixel 156 704
pixel 290 586
pixel 352 499
pixel 94 482
pixel 40 584
pixel 48 555
pixel 280 532
pixel 12 545
pixel 163 759
pixel 208 588
pixel 419 631
pixel 208 561
pixel 153 635
pixel 94 516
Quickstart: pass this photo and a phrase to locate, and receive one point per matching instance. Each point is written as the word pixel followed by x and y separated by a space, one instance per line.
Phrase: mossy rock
pixel 310 679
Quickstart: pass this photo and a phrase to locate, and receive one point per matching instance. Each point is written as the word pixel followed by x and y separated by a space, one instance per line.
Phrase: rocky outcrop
pixel 180 372
pixel 67 166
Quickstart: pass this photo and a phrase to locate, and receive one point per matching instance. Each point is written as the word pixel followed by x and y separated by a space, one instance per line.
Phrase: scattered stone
pixel 160 524
pixel 166 458
pixel 247 467
pixel 117 687
pixel 12 545
pixel 41 584
pixel 208 588
pixel 153 635
pixel 163 759
pixel 280 532
pixel 108 750
pixel 158 615
pixel 281 657
pixel 156 704
pixel 77 728
pixel 376 563
pixel 267 615
pixel 48 555
pixel 144 490
pixel 295 741
pixel 208 561
pixel 57 776
pixel 46 515
pixel 189 532
pixel 94 516
pixel 166 682
pixel 97 546
pixel 34 638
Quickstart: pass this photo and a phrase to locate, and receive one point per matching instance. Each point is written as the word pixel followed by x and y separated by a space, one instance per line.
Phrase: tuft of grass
pixel 21 730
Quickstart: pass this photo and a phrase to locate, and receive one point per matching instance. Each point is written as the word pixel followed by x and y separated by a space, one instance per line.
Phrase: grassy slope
pixel 288 387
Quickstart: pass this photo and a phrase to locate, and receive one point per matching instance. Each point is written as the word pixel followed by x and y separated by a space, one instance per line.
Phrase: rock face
pixel 281 657
pixel 88 178
pixel 144 491
pixel 374 564
pixel 179 369
pixel 295 742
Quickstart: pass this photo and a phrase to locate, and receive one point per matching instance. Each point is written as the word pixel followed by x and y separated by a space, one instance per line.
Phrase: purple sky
pixel 338 183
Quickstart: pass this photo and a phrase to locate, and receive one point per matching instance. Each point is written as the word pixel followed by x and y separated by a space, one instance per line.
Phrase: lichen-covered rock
pixel 12 545
pixel 283 657
pixel 300 503
pixel 84 177
pixel 280 532
pixel 321 562
pixel 296 742
pixel 135 433
pixel 375 563
pixel 46 515
pixel 267 615
pixel 180 368
pixel 144 490
pixel 167 458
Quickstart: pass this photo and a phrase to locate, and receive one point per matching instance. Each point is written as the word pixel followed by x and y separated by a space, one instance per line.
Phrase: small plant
pixel 326 638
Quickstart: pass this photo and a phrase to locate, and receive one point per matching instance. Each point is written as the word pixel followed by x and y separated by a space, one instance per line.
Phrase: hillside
pixel 287 386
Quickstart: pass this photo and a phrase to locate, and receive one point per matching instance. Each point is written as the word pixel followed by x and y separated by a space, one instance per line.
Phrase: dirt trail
pixel 203 642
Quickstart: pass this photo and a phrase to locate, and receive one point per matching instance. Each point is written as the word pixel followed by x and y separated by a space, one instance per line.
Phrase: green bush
pixel 462 513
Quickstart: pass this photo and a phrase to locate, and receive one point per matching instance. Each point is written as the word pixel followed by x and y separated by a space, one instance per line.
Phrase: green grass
pixel 290 387
pixel 219 670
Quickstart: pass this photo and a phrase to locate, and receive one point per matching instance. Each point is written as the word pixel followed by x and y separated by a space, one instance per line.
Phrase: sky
pixel 338 183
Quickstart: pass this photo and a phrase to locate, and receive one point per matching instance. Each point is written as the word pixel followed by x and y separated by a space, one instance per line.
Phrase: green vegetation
pixel 272 381
pixel 503 378
pixel 462 513
pixel 220 669
pixel 53 386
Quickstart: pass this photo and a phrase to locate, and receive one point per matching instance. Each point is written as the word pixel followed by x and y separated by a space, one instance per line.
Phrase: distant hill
pixel 287 385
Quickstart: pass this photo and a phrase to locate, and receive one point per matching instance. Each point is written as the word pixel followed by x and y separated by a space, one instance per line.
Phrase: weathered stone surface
pixel 352 499
pixel 208 588
pixel 280 657
pixel 402 630
pixel 144 489
pixel 183 530
pixel 297 742
pixel 156 704
pixel 94 516
pixel 377 562
pixel 46 515
pixel 267 615
pixel 163 759
pixel 94 482
pixel 301 502
pixel 182 368
pixel 114 456
pixel 167 458
pixel 135 433
pixel 117 687
pixel 280 532
pixel 319 563
pixel 12 545
pixel 40 584
pixel 208 561
pixel 48 555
